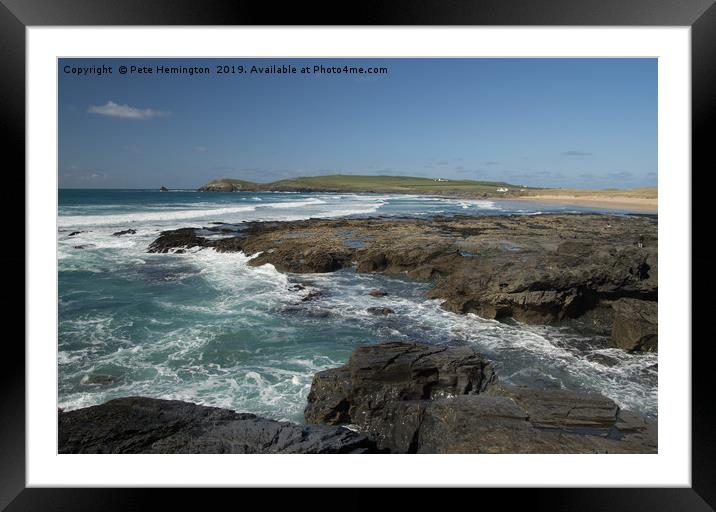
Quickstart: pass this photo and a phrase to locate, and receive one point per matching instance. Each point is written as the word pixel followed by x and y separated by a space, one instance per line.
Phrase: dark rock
pixel 312 313
pixel 376 375
pixel 125 232
pixel 377 293
pixel 494 424
pixel 598 321
pixel 329 398
pixel 602 359
pixel 635 325
pixel 184 238
pixel 312 295
pixel 163 189
pixel 101 380
pixel 148 425
pixel 412 398
pixel 380 311
pixel 560 407
pixel 74 233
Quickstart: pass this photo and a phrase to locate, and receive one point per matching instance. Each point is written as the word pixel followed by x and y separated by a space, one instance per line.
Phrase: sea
pixel 206 327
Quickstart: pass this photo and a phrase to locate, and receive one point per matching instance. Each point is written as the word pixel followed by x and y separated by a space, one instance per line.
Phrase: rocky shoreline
pixel 596 271
pixel 601 270
pixel 396 397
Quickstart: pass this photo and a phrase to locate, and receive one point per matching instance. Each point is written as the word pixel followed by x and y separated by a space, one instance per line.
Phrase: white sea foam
pixel 134 218
pixel 311 207
pixel 534 353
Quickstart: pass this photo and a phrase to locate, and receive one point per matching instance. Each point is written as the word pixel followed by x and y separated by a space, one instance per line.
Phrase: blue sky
pixel 588 123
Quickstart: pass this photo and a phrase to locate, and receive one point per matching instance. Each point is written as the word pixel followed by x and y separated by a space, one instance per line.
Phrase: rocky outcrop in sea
pixel 544 269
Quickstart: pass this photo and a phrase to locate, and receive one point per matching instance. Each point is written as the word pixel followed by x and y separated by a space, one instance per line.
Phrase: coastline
pixel 638 199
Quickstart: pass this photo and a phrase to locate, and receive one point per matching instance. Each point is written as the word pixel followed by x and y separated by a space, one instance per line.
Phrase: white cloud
pixel 200 149
pixel 113 109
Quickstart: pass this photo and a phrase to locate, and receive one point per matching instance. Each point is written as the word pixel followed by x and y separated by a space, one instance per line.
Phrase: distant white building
pixel 439 179
pixel 503 189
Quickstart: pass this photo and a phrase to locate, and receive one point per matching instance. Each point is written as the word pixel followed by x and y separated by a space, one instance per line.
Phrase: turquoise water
pixel 208 328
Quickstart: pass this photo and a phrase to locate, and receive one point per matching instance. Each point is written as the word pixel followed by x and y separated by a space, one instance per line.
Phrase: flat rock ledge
pixel 149 425
pixel 412 398
pixel 540 269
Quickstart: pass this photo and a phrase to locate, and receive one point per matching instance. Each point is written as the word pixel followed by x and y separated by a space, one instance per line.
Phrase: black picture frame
pixel 700 15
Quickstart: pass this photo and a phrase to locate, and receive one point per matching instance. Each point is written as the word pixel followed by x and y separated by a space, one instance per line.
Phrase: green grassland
pixel 415 185
pixel 378 184
pixel 229 185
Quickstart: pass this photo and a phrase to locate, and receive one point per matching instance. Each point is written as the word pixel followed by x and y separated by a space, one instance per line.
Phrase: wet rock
pixel 184 238
pixel 312 295
pixel 318 313
pixel 377 293
pixel 310 260
pixel 100 380
pixel 75 233
pixel 412 398
pixel 380 311
pixel 602 359
pixel 376 375
pixel 329 400
pixel 635 325
pixel 560 407
pixel 125 232
pixel 599 320
pixel 148 425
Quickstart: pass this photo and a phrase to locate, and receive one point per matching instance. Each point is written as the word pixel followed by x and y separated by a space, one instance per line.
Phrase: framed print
pixel 426 234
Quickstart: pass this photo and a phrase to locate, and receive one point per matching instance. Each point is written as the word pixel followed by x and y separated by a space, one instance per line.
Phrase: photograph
pixel 357 255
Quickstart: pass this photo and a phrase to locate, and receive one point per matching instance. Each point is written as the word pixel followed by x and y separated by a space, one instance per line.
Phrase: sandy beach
pixel 642 204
